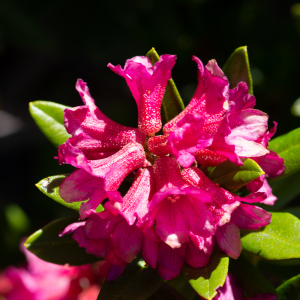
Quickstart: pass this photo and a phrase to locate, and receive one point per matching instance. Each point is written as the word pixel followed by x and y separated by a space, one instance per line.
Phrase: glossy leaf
pixel 250 278
pixel 49 117
pixel 290 289
pixel 47 245
pixel 278 240
pixel 172 103
pixel 136 282
pixel 237 68
pixel 50 187
pixel 287 146
pixel 166 292
pixel 285 190
pixel 206 280
pixel 232 177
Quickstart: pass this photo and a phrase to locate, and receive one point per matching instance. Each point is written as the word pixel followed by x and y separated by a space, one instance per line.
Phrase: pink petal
pixel 150 247
pixel 187 138
pixel 113 169
pixel 209 99
pixel 201 243
pixel 100 133
pixel 240 99
pixel 222 202
pixel 172 225
pixel 79 186
pixel 114 272
pixel 98 228
pixel 194 257
pixel 246 127
pixel 147 85
pixel 167 173
pixel 135 202
pixel 250 217
pixel 127 241
pixel 208 158
pixel 170 261
pixel 228 239
pixel 271 163
pixel 96 247
pixel 71 228
pixel 231 290
pixel 159 145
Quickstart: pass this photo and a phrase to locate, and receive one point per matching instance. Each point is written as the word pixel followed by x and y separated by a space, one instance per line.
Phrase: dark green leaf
pixel 50 187
pixel 290 290
pixel 232 177
pixel 287 146
pixel 206 280
pixel 136 283
pixel 250 278
pixel 172 103
pixel 47 245
pixel 237 68
pixel 181 285
pixel 166 292
pixel 49 117
pixel 278 240
pixel 285 190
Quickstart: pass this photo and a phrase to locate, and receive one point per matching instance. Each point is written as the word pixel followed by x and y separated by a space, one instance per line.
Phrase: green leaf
pixel 287 146
pixel 166 292
pixel 278 240
pixel 250 278
pixel 47 245
pixel 237 68
pixel 172 103
pixel 285 190
pixel 50 187
pixel 136 283
pixel 290 289
pixel 232 177
pixel 206 280
pixel 49 117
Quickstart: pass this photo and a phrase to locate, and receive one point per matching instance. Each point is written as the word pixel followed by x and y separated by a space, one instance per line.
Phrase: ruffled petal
pixel 194 257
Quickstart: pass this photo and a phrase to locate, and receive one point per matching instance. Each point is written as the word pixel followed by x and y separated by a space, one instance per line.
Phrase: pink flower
pixel 172 215
pixel 36 281
pixel 229 213
pixel 147 84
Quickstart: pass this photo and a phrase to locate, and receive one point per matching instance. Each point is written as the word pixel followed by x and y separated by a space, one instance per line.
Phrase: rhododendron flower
pixel 147 84
pixel 38 279
pixel 173 213
pixel 231 290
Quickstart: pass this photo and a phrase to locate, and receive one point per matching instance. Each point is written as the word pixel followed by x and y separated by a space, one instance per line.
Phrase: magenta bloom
pixel 38 279
pixel 147 84
pixel 172 213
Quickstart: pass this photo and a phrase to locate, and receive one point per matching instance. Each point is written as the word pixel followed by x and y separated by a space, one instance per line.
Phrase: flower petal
pixel 228 239
pixel 170 261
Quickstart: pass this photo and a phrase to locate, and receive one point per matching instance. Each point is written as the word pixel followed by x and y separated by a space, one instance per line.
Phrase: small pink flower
pixel 147 84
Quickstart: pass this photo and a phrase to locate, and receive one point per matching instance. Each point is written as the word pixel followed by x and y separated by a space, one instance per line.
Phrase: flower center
pixel 173 198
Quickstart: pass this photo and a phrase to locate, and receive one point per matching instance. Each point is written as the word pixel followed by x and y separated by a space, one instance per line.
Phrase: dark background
pixel 46 45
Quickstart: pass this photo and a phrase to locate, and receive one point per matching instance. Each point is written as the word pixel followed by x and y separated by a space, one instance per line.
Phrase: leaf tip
pixel 32 238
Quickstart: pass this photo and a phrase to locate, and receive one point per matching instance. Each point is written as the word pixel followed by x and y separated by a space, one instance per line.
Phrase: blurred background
pixel 46 45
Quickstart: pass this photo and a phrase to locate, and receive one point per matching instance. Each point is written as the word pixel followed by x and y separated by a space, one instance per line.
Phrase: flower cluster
pixel 172 212
pixel 37 280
